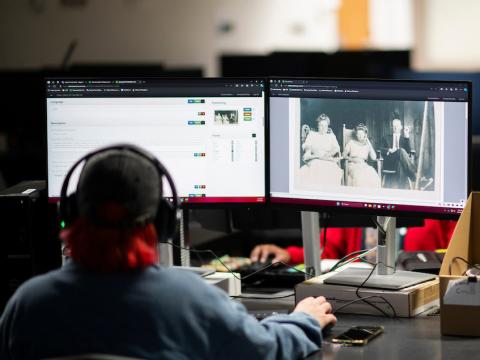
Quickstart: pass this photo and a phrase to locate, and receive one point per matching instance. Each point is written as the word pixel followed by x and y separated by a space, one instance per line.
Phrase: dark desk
pixel 403 339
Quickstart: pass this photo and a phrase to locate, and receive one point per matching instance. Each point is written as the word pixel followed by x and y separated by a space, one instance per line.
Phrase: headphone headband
pixel 69 207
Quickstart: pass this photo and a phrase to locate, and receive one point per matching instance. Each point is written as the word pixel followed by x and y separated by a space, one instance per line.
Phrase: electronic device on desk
pixel 209 133
pixel 274 276
pixel 27 248
pixel 358 335
pixel 385 148
pixel 278 276
pixel 421 261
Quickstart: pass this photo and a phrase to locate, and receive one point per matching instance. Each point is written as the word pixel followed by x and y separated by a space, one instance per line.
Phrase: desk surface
pixel 403 338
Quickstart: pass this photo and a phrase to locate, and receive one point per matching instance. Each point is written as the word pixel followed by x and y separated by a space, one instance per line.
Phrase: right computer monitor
pixel 384 147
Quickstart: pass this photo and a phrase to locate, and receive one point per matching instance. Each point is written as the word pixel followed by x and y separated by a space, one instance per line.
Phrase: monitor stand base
pixel 396 281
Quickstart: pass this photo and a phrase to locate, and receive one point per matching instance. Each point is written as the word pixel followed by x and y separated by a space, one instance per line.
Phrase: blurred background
pixel 353 38
pixel 428 39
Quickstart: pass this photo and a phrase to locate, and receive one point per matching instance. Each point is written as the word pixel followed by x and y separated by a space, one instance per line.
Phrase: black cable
pixel 356 300
pixel 357 292
pixel 245 277
pixel 339 262
pixel 476 266
pixel 292 267
pixel 360 298
pixel 366 261
pixel 230 270
pixel 379 226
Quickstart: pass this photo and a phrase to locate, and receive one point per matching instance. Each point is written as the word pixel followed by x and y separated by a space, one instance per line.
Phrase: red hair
pixel 111 249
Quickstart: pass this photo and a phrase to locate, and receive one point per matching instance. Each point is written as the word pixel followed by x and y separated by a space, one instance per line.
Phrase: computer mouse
pixel 259 265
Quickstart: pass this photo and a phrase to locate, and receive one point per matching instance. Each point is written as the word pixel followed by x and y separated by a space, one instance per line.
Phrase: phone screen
pixel 358 335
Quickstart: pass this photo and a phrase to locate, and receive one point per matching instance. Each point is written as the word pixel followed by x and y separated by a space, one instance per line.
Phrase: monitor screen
pixel 385 147
pixel 209 133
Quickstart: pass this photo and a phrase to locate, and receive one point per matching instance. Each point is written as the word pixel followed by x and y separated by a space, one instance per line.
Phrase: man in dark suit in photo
pixel 396 150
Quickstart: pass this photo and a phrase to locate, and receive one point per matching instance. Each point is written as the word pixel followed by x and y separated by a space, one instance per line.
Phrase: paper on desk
pixel 463 292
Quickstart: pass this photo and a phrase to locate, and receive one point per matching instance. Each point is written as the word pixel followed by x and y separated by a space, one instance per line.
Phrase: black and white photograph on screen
pixel 226 117
pixel 367 143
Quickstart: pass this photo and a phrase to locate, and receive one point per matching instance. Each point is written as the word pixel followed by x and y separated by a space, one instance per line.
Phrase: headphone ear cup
pixel 70 213
pixel 166 221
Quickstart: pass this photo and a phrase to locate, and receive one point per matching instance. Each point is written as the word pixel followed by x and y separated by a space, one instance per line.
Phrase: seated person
pixel 112 298
pixel 340 242
pixel 319 151
pixel 435 234
pixel 396 148
pixel 357 152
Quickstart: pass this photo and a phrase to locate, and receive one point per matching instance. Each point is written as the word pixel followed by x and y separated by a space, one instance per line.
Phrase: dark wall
pixel 23 113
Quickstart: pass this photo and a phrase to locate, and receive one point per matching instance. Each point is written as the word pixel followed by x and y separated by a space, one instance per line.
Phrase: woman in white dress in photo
pixel 357 152
pixel 320 149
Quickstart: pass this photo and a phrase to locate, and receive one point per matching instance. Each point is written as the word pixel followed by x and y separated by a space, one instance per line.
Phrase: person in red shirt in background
pixel 435 234
pixel 340 242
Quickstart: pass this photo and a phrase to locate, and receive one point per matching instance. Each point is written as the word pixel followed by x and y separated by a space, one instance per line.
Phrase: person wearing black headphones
pixel 112 298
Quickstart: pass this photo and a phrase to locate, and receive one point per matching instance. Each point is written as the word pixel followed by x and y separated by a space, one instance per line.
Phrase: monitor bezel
pixel 183 205
pixel 305 206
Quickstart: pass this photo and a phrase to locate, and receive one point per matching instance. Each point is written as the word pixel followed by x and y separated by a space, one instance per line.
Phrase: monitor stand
pixel 311 243
pixel 385 276
pixel 177 254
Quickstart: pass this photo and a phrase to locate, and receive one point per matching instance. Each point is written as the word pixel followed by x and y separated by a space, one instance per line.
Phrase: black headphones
pixel 166 219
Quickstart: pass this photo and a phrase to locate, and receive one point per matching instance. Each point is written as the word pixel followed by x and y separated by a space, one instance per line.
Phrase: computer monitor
pixel 209 133
pixel 375 147
pixel 332 145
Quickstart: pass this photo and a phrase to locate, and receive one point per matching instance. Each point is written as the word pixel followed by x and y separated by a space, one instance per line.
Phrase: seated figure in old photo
pixel 357 152
pixel 320 155
pixel 396 150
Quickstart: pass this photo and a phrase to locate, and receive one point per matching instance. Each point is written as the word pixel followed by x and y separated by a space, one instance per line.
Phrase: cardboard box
pixel 461 320
pixel 407 302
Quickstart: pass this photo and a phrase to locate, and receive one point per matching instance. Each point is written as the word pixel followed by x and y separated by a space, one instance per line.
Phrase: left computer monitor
pixel 209 133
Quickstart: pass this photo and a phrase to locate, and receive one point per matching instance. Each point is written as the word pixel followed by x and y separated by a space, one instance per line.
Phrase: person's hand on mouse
pixel 262 252
pixel 319 308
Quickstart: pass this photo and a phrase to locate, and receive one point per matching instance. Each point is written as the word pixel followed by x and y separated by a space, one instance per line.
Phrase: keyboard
pixel 279 276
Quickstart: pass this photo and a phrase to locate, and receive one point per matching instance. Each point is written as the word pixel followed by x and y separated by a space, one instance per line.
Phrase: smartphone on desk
pixel 358 335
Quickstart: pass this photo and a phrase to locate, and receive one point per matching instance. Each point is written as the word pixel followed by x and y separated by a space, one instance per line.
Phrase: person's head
pixel 397 126
pixel 117 200
pixel 396 122
pixel 361 132
pixel 323 122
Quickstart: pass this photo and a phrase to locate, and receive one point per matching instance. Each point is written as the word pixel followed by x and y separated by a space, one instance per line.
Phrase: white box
pixel 407 302
pixel 226 281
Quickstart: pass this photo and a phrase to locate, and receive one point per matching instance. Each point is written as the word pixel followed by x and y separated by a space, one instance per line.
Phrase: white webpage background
pixel 234 165
pixel 356 194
